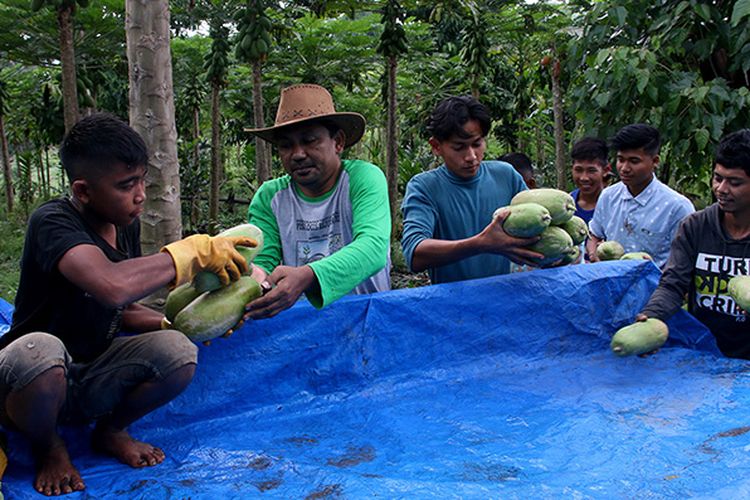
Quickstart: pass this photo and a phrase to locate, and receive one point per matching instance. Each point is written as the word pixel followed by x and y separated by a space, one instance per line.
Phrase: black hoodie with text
pixel 702 260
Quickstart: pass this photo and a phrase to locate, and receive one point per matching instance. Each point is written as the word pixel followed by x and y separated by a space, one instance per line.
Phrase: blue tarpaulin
pixel 503 387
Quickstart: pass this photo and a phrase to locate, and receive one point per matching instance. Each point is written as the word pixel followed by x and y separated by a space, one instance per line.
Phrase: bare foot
pixel 55 473
pixel 124 448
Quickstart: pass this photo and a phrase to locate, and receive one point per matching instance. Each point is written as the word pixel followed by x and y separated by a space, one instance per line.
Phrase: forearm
pixel 591 243
pixel 116 284
pixel 139 318
pixel 664 302
pixel 433 253
pixel 339 273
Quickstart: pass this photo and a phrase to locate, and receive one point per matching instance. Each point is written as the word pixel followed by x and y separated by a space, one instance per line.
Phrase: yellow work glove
pixel 201 252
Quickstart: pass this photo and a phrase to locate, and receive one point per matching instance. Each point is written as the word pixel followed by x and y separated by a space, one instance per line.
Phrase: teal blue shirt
pixel 440 205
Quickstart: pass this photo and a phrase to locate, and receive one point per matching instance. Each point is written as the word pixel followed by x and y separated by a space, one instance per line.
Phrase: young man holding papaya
pixel 326 224
pixel 81 272
pixel 449 229
pixel 640 212
pixel 711 246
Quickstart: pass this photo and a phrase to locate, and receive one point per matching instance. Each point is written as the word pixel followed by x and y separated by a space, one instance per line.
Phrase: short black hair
pixel 590 149
pixel 98 142
pixel 733 150
pixel 451 114
pixel 519 161
pixel 637 136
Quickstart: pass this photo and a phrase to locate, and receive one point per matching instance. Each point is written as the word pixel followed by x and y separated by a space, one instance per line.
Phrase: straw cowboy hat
pixel 305 103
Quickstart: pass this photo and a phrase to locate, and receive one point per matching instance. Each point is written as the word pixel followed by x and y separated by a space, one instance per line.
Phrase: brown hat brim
pixel 353 125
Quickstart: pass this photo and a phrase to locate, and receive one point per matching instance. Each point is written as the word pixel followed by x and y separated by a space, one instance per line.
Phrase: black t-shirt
pixel 46 301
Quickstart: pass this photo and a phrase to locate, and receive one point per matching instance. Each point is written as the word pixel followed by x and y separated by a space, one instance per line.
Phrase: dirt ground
pixel 404 279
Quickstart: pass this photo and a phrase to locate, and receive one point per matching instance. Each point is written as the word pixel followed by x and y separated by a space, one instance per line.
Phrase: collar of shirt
pixel 460 180
pixel 645 196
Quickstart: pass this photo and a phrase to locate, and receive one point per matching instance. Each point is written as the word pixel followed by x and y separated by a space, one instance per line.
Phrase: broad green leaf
pixel 602 99
pixel 740 11
pixel 701 137
pixel 642 77
pixel 703 10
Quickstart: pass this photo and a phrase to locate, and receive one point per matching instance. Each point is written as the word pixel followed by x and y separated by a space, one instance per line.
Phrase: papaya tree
pixel 65 10
pixel 475 50
pixel 392 44
pixel 152 116
pixel 7 172
pixel 216 74
pixel 253 43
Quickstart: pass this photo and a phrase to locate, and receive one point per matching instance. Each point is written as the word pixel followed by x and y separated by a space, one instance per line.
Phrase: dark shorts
pixel 95 388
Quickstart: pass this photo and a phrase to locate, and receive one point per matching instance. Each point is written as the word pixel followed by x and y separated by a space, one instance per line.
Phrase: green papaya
pixel 571 255
pixel 206 281
pixel 577 229
pixel 640 337
pixel 636 256
pixel 554 244
pixel 739 290
pixel 178 299
pixel 525 219
pixel 560 204
pixel 250 230
pixel 213 313
pixel 37 5
pixel 609 250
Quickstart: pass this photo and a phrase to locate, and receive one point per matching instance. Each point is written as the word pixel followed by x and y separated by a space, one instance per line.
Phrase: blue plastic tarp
pixel 503 387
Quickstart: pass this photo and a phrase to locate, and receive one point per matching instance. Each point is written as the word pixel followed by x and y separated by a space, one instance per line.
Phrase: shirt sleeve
pixel 367 254
pixel 55 233
pixel 675 280
pixel 596 226
pixel 261 214
pixel 420 218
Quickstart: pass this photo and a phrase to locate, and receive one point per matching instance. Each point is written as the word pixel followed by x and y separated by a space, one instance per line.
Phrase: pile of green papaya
pixel 547 213
pixel 204 309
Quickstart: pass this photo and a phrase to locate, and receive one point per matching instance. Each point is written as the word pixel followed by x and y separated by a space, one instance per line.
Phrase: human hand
pixel 638 318
pixel 494 239
pixel 281 289
pixel 215 254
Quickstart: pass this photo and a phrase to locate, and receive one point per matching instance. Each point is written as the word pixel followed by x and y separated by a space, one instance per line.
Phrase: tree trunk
pixel 194 212
pixel 68 60
pixel 557 113
pixel 152 116
pixel 541 159
pixel 391 152
pixel 213 197
pixel 262 149
pixel 46 166
pixel 7 172
pixel 40 173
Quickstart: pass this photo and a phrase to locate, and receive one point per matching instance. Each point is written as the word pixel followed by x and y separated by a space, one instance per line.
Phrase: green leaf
pixel 699 94
pixel 602 99
pixel 642 77
pixel 703 10
pixel 740 11
pixel 622 15
pixel 701 137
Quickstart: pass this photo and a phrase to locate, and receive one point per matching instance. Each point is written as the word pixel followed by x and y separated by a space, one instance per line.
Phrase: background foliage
pixel 681 65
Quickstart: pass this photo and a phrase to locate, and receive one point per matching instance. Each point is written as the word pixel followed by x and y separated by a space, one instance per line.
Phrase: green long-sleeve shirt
pixel 343 235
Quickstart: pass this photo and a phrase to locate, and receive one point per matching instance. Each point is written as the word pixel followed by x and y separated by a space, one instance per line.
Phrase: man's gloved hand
pixel 201 252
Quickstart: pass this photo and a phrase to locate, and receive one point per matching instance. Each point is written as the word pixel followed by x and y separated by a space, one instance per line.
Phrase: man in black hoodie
pixel 710 247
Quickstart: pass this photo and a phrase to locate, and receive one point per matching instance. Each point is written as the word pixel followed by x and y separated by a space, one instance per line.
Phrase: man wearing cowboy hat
pixel 326 224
